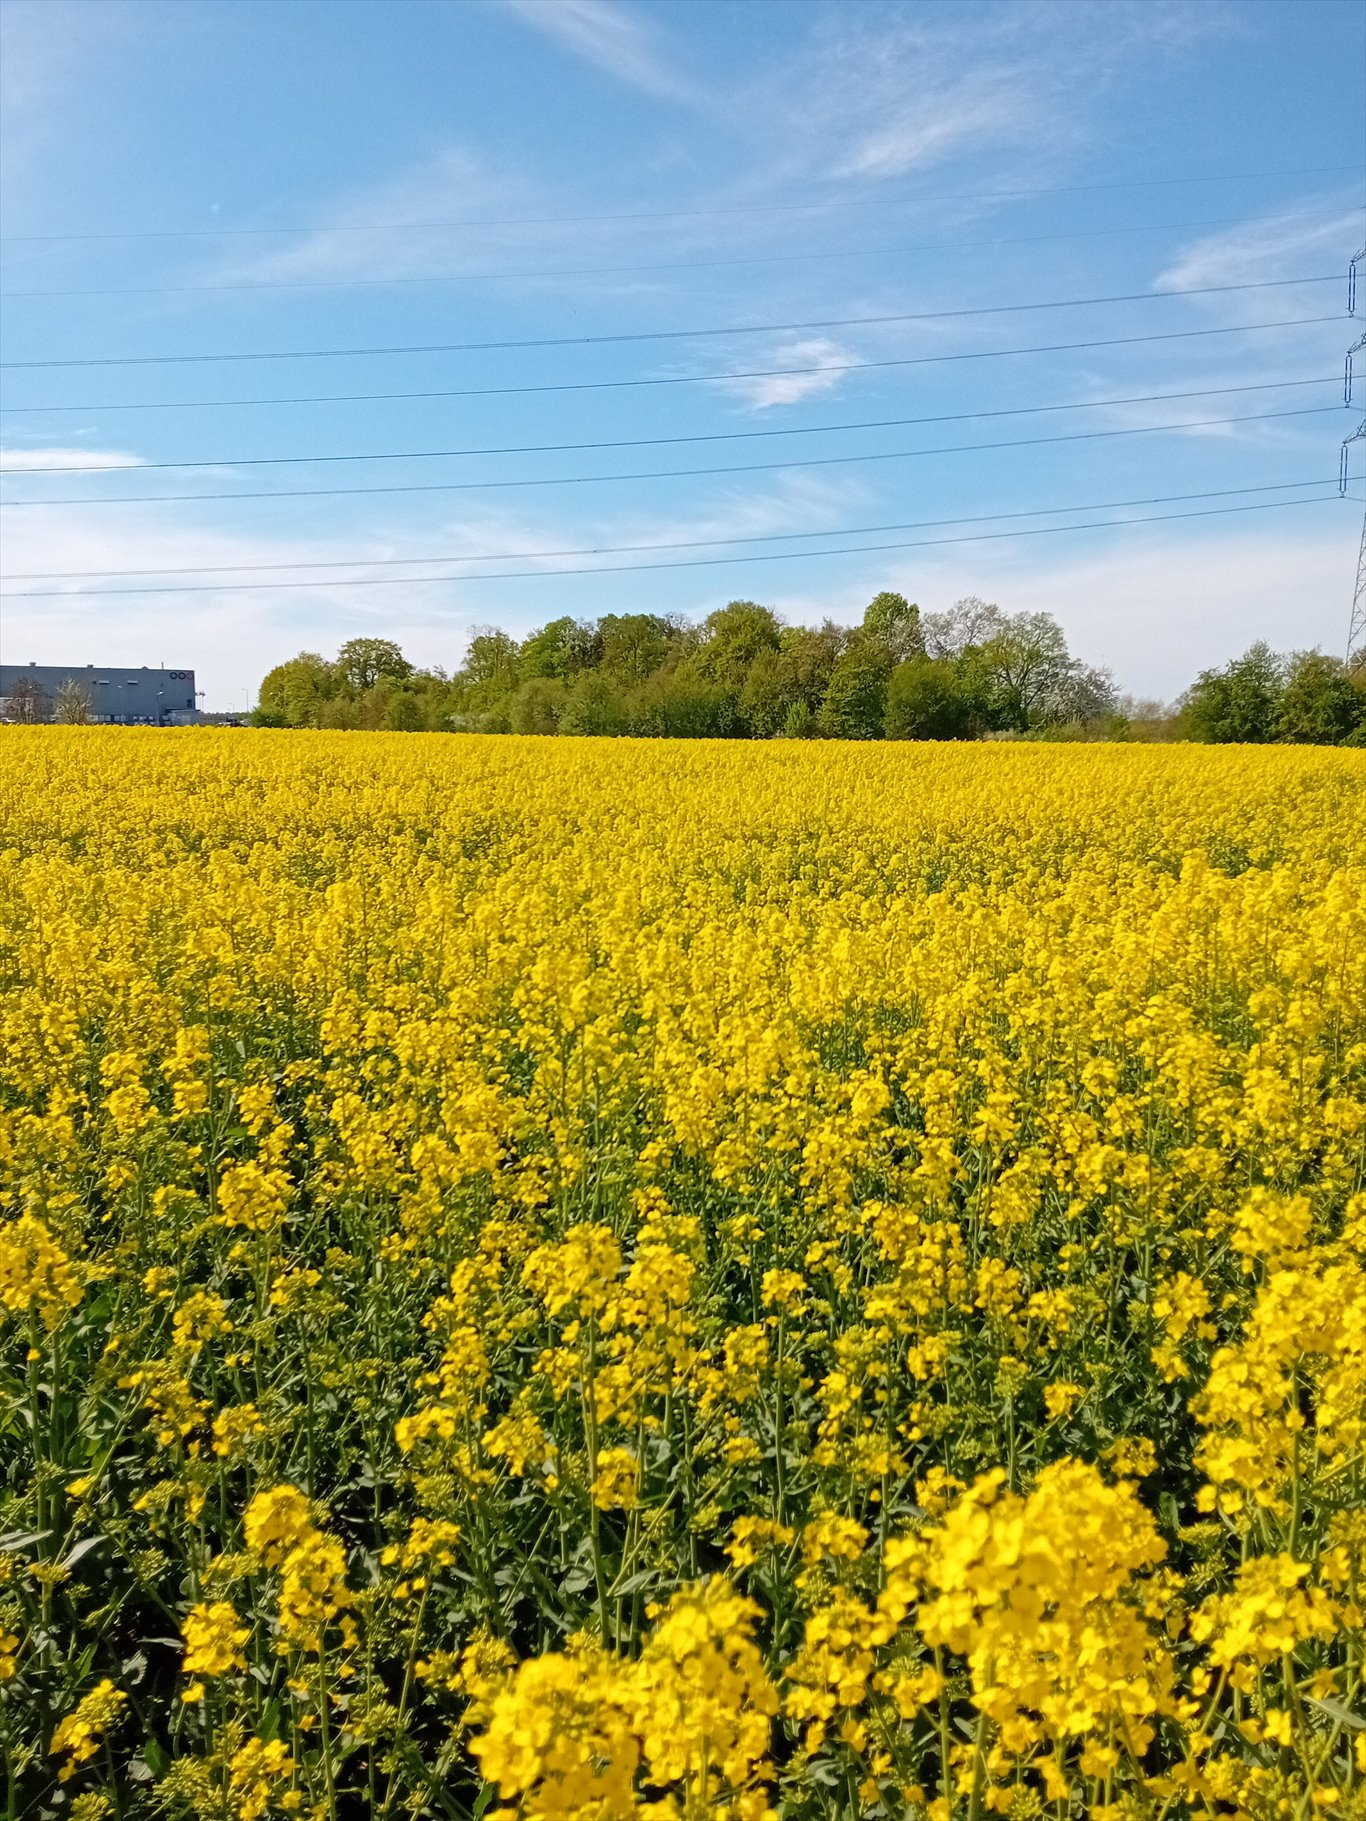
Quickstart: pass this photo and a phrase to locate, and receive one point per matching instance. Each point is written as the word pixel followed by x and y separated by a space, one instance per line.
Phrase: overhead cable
pixel 576 480
pixel 702 543
pixel 671 379
pixel 654 442
pixel 643 335
pixel 780 556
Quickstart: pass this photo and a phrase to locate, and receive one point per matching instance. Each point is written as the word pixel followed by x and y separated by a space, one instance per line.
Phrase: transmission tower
pixel 1357 625
pixel 1356 632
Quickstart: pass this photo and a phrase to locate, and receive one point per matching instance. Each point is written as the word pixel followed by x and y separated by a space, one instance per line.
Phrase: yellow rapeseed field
pixel 567 1279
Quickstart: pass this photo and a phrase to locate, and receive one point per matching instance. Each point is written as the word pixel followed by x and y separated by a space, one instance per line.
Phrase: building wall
pixel 132 697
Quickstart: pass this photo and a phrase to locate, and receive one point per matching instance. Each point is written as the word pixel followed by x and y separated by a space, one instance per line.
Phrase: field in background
pixel 563 1277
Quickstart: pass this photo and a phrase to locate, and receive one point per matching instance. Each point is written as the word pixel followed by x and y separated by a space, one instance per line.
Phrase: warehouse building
pixel 110 693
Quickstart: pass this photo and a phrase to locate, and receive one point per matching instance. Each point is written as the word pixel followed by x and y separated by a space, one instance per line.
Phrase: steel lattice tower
pixel 1356 635
pixel 1356 632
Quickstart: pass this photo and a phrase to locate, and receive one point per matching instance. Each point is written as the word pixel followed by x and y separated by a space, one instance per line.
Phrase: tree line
pixel 966 673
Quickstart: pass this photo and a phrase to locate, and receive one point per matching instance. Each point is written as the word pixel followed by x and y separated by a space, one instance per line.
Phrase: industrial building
pixel 116 695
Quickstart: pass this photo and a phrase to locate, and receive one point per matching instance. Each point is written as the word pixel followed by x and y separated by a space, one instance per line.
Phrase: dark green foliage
pixel 930 699
pixel 292 693
pixel 594 704
pixel 899 675
pixel 1305 699
pixel 537 705
pixel 362 662
pixel 561 649
pixel 1322 704
pixel 856 700
pixel 492 667
pixel 734 637
pixel 1238 704
pixel 683 705
pixel 634 645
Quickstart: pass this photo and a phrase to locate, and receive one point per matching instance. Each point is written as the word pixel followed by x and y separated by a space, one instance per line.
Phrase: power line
pixel 682 265
pixel 797 208
pixel 654 442
pixel 508 556
pixel 677 379
pixel 581 341
pixel 780 556
pixel 573 480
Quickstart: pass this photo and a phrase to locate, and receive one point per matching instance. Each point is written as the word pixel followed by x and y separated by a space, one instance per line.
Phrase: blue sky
pixel 254 177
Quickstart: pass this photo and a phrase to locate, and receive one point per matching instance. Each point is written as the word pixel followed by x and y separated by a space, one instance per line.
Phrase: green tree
pixel 293 693
pixel 1321 704
pixel 491 669
pixel 930 699
pixel 855 703
pixel 537 705
pixel 796 676
pixel 1240 703
pixel 341 712
pixel 362 662
pixel 635 645
pixel 560 649
pixel 681 705
pixel 767 694
pixel 1027 661
pixel 893 623
pixel 805 663
pixel 403 712
pixel 734 637
pixel 594 704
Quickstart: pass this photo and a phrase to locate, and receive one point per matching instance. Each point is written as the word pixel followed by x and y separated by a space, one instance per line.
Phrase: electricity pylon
pixel 1356 633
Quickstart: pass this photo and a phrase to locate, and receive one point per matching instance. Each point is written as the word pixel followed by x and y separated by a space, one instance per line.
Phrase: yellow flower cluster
pixel 213 1640
pixel 36 1275
pixel 79 1736
pixel 706 1280
pixel 581 1733
pixel 312 1568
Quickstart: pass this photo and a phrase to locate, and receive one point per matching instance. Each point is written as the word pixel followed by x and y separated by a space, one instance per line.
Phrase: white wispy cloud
pixel 986 108
pixel 1312 239
pixel 611 37
pixel 871 94
pixel 46 460
pixel 1305 378
pixel 790 502
pixel 410 224
pixel 827 358
pixel 50 48
pixel 453 217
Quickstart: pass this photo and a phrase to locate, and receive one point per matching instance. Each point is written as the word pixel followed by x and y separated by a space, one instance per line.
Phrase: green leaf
pixel 22 1539
pixel 1336 1711
pixel 82 1549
